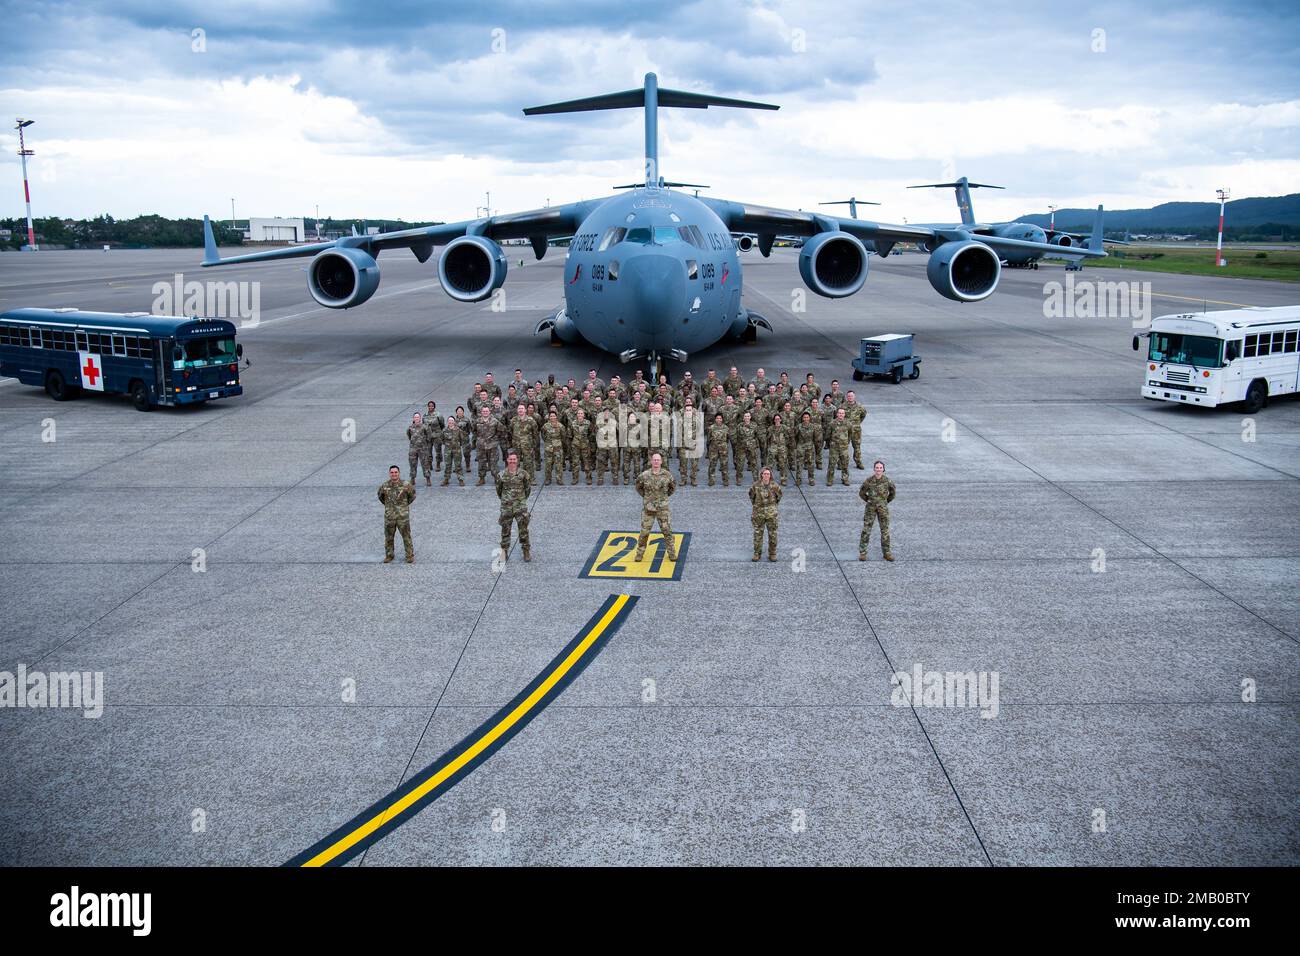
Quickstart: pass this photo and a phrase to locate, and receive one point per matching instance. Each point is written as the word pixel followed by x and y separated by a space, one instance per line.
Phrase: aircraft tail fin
pixel 649 97
pixel 210 254
pixel 961 188
pixel 1097 238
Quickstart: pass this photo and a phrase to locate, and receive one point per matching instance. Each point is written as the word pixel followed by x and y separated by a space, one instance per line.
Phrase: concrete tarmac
pixel 1126 569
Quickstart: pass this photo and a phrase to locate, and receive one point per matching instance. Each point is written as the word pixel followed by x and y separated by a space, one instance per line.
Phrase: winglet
pixel 1097 238
pixel 210 255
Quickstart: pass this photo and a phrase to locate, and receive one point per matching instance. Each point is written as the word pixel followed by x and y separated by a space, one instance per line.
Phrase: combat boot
pixel 446 481
pixel 388 559
pixel 600 480
pixel 614 479
pixel 755 557
pixel 862 555
pixel 461 480
pixel 588 477
pixel 428 481
pixel 672 551
pixel 844 479
pixel 480 481
pixel 528 553
pixel 711 482
pixel 640 547
pixel 771 554
pixel 410 559
pixel 889 556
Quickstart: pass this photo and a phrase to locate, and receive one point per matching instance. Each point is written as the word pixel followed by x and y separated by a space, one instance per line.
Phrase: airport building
pixel 276 230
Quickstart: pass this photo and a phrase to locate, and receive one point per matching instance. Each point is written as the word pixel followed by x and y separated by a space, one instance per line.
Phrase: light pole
pixel 1218 252
pixel 1052 225
pixel 24 152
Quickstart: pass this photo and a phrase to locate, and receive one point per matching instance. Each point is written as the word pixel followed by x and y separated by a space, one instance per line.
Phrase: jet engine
pixel 744 243
pixel 833 264
pixel 342 277
pixel 1063 241
pixel 472 268
pixel 965 271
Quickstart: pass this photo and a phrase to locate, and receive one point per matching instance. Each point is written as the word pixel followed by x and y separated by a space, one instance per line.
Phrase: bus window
pixel 195 353
pixel 1198 350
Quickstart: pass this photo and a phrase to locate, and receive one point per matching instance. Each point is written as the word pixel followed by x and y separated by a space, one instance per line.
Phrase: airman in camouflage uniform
pixel 778 447
pixel 746 448
pixel 466 434
pixel 854 413
pixel 583 441
pixel 418 452
pixel 396 498
pixel 765 495
pixel 803 450
pixel 514 485
pixel 434 424
pixel 719 439
pixel 733 384
pixel 633 449
pixel 813 387
pixel 454 439
pixel 655 485
pixel 553 440
pixel 877 491
pixel 658 431
pixel 690 443
pixel 731 413
pixel 608 453
pixel 487 441
pixel 839 448
pixel 523 436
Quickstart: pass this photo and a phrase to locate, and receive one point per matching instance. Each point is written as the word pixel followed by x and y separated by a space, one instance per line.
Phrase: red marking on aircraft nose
pixel 576 273
pixel 725 272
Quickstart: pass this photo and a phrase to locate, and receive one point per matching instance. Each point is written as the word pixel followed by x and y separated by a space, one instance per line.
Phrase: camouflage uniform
pixel 778 449
pixel 523 436
pixel 453 439
pixel 584 442
pixel 689 445
pixel 733 385
pixel 434 425
pixel 487 437
pixel 418 452
pixel 877 492
pixel 718 441
pixel 634 458
pixel 513 490
pixel 607 446
pixel 396 498
pixel 553 462
pixel 839 444
pixel 803 452
pixel 466 427
pixel 731 417
pixel 746 450
pixel 659 435
pixel 819 435
pixel 655 490
pixel 854 414
pixel 765 499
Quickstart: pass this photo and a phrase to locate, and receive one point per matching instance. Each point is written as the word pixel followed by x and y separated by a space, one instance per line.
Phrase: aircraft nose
pixel 655 286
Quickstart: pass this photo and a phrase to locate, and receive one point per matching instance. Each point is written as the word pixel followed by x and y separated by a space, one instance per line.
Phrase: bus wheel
pixel 1255 396
pixel 140 397
pixel 56 387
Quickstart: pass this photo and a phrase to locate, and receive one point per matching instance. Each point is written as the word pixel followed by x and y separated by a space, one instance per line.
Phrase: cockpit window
pixel 641 234
pixel 699 237
pixel 666 234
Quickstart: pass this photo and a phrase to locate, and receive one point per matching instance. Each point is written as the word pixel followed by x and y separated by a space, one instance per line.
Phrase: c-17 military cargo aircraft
pixel 1026 231
pixel 651 273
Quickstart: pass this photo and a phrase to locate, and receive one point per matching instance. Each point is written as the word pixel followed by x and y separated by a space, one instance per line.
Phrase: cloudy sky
pixel 412 109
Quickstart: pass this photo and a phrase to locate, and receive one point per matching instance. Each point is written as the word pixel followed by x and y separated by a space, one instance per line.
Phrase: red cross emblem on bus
pixel 91 371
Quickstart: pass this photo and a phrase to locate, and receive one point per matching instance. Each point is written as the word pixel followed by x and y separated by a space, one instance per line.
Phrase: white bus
pixel 1214 358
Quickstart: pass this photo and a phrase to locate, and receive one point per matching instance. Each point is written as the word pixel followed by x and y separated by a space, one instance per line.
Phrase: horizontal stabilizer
pixel 956 185
pixel 635 99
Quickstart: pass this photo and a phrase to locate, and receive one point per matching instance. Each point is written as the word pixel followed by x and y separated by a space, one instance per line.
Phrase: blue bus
pixel 157 360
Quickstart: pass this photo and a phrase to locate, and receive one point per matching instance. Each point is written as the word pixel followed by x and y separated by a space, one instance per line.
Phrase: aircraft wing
pixel 538 225
pixel 766 220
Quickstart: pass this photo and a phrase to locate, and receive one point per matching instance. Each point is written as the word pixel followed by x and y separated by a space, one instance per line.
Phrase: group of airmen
pixel 631 430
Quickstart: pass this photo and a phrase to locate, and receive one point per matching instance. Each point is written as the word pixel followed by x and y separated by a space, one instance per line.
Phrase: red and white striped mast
pixel 24 152
pixel 1218 252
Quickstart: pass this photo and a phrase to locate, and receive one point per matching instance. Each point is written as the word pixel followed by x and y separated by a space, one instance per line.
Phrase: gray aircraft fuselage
pixel 655 271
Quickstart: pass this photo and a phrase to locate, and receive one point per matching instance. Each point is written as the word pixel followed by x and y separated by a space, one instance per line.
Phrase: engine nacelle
pixel 833 264
pixel 744 243
pixel 1063 241
pixel 342 277
pixel 472 268
pixel 964 271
